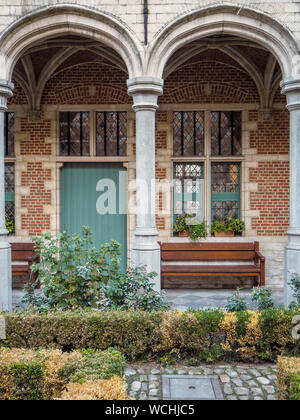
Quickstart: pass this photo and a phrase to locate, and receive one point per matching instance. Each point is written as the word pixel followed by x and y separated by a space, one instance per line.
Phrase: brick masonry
pixel 210 80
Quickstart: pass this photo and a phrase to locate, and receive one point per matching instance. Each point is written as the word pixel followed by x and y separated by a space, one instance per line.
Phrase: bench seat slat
pixel 209 269
pixel 207 255
pixel 209 246
pixel 22 246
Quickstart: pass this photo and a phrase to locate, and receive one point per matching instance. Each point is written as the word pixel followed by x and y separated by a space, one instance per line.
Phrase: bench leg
pixel 263 274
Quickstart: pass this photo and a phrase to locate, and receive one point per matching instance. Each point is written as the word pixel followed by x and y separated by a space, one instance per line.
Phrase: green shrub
pixel 32 375
pixel 96 364
pixel 71 271
pixel 288 374
pixel 295 285
pixel 263 297
pixel 134 290
pixel 236 302
pixel 46 374
pixel 209 335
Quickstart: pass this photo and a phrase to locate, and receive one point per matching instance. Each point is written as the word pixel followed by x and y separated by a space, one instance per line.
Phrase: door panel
pixel 94 195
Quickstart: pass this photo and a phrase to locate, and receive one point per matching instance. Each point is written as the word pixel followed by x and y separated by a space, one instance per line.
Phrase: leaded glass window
pixel 111 133
pixel 189 190
pixel 74 133
pixel 10 193
pixel 188 133
pixel 9 133
pixel 226 139
pixel 225 191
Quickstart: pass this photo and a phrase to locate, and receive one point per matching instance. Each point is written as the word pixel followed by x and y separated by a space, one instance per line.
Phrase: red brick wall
pixel 209 82
pixel 88 84
pixel 35 145
pixel 199 81
pixel 271 137
pixel 271 199
pixel 35 220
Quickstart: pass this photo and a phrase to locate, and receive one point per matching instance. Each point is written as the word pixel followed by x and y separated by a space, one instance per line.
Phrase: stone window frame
pixel 93 110
pixel 207 159
pixel 9 159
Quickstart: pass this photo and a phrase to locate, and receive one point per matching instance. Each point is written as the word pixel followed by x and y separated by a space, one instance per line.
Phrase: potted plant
pixel 181 227
pixel 197 230
pixel 229 228
pixel 189 226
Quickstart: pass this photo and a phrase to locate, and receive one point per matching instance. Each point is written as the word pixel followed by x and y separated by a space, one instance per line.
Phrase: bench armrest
pixel 259 255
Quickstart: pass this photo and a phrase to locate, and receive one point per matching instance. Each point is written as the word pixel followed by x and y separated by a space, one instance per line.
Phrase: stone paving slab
pixel 238 381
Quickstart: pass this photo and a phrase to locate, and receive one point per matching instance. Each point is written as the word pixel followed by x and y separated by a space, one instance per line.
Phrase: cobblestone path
pixel 238 382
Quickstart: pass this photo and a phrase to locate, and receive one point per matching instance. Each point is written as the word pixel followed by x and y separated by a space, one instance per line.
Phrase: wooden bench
pixel 23 256
pixel 245 258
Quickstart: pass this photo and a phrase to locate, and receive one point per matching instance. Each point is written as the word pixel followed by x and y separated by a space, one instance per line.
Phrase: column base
pixel 146 252
pixel 292 265
pixel 5 277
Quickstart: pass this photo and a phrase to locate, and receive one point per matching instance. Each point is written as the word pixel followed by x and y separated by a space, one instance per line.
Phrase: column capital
pixel 145 92
pixel 291 88
pixel 6 90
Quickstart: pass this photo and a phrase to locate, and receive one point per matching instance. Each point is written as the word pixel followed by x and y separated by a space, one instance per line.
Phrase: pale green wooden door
pixel 94 195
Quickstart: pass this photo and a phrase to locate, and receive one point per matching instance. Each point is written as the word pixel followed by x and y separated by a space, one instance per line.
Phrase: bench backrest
pixel 214 251
pixel 22 251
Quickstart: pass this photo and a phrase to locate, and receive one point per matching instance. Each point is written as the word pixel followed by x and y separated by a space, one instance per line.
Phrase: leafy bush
pixel 236 302
pixel 95 365
pixel 207 335
pixel 134 290
pixel 46 374
pixel 263 297
pixel 295 285
pixel 71 271
pixel 288 374
pixel 112 389
pixel 32 375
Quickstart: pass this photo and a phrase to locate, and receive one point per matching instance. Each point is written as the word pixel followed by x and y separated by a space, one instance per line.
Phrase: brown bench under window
pixel 245 259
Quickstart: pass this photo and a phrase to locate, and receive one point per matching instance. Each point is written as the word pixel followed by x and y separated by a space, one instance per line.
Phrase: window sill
pixel 93 158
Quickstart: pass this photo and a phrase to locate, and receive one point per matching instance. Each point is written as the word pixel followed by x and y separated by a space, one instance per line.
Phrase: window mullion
pixel 69 134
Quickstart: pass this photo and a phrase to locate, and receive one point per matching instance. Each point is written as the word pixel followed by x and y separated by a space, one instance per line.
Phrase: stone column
pixel 5 249
pixel 291 88
pixel 146 250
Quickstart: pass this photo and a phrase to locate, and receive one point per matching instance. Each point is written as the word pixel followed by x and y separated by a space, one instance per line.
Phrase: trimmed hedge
pixel 52 374
pixel 209 334
pixel 288 374
pixel 111 389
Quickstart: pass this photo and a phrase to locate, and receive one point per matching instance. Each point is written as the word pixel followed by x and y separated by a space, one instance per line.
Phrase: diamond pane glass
pixel 122 133
pixel 188 133
pixel 189 189
pixel 100 141
pixel 224 209
pixel 111 133
pixel 63 133
pixel 10 192
pixel 74 131
pixel 9 133
pixel 225 191
pixel 225 178
pixel 226 138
